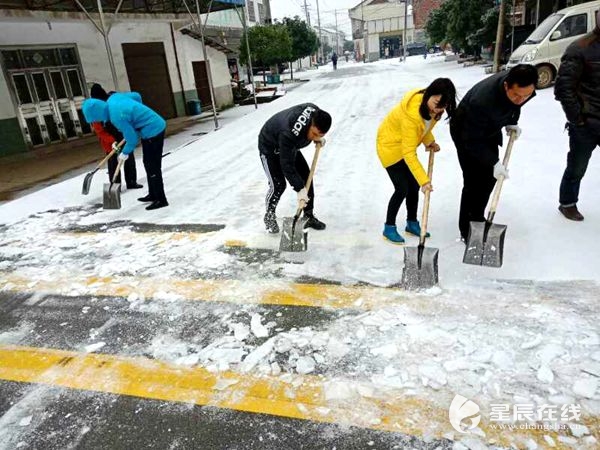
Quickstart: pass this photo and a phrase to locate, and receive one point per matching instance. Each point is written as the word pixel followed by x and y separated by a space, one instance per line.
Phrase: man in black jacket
pixel 279 142
pixel 476 129
pixel 578 90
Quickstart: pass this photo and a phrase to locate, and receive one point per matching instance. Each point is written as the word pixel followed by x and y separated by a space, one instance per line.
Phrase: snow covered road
pixel 327 323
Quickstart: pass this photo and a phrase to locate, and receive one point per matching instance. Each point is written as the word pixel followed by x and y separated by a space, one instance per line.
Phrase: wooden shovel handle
pixel 500 181
pixel 107 157
pixel 117 170
pixel 313 168
pixel 425 217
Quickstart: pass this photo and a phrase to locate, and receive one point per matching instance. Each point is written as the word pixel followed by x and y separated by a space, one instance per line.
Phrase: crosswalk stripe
pixel 272 292
pixel 294 396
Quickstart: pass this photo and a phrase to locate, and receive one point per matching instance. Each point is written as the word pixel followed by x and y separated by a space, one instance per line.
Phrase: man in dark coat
pixel 279 142
pixel 476 129
pixel 578 91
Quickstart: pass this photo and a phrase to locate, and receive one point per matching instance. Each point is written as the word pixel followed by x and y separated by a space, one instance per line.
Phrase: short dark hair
pixel 322 120
pixel 522 75
pixel 443 87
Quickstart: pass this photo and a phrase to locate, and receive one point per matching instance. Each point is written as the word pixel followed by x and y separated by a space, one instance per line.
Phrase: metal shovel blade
pixel 111 198
pixel 293 236
pixel 420 267
pixel 485 246
pixel 87 182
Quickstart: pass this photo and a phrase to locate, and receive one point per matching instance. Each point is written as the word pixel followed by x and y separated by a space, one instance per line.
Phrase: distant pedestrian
pixel 578 90
pixel 135 120
pixel 476 130
pixel 334 59
pixel 408 125
pixel 110 137
pixel 279 143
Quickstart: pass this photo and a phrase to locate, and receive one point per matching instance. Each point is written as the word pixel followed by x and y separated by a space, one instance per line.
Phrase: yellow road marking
pixel 272 292
pixel 294 396
pixel 235 243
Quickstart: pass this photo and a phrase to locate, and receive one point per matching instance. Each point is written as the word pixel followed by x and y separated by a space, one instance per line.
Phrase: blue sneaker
pixel 413 227
pixel 390 232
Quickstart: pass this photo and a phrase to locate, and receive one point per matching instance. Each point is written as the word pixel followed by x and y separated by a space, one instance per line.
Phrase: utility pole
pixel 337 36
pixel 365 31
pixel 499 36
pixel 307 13
pixel 404 30
pixel 537 13
pixel 320 35
pixel 512 33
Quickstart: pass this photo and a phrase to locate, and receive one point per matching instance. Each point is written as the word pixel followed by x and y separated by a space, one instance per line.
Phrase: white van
pixel 546 45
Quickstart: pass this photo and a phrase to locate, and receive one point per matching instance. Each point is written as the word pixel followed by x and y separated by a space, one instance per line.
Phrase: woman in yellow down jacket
pixel 407 126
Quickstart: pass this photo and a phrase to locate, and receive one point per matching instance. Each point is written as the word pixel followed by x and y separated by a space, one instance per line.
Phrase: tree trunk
pixel 291 70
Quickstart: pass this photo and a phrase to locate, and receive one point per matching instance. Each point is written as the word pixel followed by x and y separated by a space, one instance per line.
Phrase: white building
pixel 378 28
pixel 50 58
pixel 334 40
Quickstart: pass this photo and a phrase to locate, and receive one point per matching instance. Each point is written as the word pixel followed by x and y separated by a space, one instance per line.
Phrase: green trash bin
pixel 194 107
pixel 275 79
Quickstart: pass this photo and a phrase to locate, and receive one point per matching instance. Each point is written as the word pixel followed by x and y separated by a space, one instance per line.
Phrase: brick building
pixel 421 11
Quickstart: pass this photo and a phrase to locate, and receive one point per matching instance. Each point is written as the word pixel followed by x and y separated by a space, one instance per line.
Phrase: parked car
pixel 416 48
pixel 281 67
pixel 546 45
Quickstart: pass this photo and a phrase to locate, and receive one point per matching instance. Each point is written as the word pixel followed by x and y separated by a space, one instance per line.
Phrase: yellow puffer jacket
pixel 401 132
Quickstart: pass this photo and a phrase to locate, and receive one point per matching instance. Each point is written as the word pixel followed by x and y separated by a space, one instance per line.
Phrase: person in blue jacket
pixel 135 120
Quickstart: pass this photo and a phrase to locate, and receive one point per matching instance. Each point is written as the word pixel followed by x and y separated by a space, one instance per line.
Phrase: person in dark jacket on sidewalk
pixel 110 137
pixel 279 142
pixel 334 59
pixel 476 129
pixel 135 120
pixel 577 89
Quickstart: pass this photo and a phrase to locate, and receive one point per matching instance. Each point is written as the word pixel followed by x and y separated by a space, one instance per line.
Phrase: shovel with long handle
pixel 485 246
pixel 421 263
pixel 87 181
pixel 293 236
pixel 112 192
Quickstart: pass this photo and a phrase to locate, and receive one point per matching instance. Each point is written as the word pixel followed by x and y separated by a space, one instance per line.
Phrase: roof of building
pixel 121 6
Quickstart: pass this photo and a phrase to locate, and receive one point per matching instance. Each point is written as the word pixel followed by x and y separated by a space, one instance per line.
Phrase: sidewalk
pixel 24 171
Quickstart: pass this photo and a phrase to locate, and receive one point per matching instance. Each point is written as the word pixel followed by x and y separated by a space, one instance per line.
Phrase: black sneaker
pixel 157 204
pixel 147 198
pixel 313 222
pixel 271 222
pixel 134 186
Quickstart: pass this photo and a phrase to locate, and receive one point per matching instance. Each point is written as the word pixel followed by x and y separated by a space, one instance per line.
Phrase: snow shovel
pixel 420 263
pixel 485 246
pixel 87 181
pixel 293 235
pixel 112 192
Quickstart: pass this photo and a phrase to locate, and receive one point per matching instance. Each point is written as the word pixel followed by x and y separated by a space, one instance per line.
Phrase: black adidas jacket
pixel 284 134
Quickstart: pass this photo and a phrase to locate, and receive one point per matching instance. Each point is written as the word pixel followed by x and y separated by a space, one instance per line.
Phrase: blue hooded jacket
pixel 128 115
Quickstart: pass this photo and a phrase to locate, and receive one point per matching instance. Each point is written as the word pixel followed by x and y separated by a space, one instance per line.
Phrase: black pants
pixel 405 186
pixel 582 142
pixel 478 184
pixel 152 149
pixel 277 182
pixel 130 170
